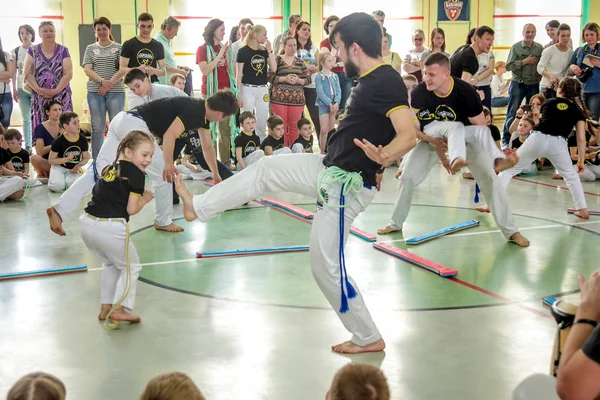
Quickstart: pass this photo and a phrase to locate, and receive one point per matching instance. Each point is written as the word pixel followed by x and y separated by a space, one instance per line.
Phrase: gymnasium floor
pixel 259 328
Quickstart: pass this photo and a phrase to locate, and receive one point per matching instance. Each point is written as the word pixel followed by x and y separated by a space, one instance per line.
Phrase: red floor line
pixel 498 297
pixel 553 186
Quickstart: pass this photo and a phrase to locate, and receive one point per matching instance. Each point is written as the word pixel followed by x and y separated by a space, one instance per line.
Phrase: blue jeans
pixel 499 101
pixel 7 106
pixel 487 99
pixel 592 102
pixel 516 93
pixel 25 106
pixel 346 86
pixel 114 103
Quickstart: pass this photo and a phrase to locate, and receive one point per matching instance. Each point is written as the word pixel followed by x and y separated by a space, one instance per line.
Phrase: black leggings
pixel 310 94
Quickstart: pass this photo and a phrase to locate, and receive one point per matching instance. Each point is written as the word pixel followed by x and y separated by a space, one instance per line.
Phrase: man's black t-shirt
pixel 160 114
pixel 140 53
pixel 248 143
pixel 19 159
pixel 255 65
pixel 4 156
pixel 111 193
pixel 306 144
pixel 460 104
pixel 591 347
pixel 276 144
pixel 379 92
pixel 558 117
pixel 464 60
pixel 572 142
pixel 64 147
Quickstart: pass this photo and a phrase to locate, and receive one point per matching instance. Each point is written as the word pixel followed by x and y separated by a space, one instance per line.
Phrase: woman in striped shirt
pixel 287 92
pixel 105 88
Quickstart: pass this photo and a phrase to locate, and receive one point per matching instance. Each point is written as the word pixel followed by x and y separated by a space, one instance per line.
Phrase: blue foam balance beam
pixel 250 252
pixel 442 232
pixel 43 272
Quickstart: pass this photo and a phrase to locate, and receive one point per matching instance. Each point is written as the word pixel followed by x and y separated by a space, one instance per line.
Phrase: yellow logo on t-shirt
pixel 562 106
pixel 110 176
pixel 76 152
pixel 266 98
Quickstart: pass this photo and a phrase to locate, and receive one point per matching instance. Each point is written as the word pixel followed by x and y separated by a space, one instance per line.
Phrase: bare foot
pixel 505 163
pixel 104 310
pixel 583 213
pixel 122 315
pixel 55 221
pixel 519 239
pixel 483 209
pixel 169 228
pixel 17 195
pixel 352 348
pixel 556 176
pixel 467 175
pixel 387 229
pixel 187 198
pixel 397 174
pixel 458 164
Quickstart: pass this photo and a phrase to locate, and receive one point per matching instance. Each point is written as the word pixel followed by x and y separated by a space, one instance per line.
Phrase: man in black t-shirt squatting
pixel 377 130
pixel 444 103
pixel 167 119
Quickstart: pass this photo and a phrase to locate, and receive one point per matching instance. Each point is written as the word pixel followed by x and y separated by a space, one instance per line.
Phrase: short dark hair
pixel 50 103
pixel 302 122
pixel 133 74
pixel 66 117
pixel 564 27
pixel 328 21
pixel 437 58
pixel 362 29
pixel 274 121
pixel 528 120
pixel 246 115
pixel 470 34
pixel 225 101
pixel 145 17
pixel 245 21
pixel 29 29
pixel 553 23
pixel 102 21
pixel 482 30
pixel 12 133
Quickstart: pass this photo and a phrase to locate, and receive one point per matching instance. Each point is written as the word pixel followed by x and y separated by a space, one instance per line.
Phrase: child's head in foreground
pixel 359 382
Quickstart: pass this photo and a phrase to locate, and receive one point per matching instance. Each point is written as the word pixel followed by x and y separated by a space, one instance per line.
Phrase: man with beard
pixel 376 131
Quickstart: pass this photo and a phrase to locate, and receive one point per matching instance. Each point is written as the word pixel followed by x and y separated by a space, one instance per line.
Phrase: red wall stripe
pixel 275 17
pixel 536 16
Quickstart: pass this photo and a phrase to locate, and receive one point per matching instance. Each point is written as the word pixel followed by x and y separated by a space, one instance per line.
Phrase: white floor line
pixel 385 241
pixel 498 230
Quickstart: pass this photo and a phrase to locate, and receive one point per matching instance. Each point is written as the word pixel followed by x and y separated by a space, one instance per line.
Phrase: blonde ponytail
pixel 251 30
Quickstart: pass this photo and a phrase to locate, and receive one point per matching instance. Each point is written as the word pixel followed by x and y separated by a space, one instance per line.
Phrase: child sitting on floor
pixel 359 382
pixel 304 143
pixel 247 143
pixel 273 144
pixel 524 129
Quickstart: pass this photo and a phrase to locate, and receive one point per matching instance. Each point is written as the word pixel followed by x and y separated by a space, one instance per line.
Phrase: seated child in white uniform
pixel 247 143
pixel 304 143
pixel 273 144
pixel 68 154
pixel 11 182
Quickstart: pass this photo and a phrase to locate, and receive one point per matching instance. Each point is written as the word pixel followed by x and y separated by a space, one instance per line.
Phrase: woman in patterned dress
pixel 49 69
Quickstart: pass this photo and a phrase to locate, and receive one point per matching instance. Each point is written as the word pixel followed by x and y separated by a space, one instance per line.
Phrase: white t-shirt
pixel 20 62
pixel 309 58
pixel 498 85
pixel 555 62
pixel 5 87
pixel 484 60
pixel 159 91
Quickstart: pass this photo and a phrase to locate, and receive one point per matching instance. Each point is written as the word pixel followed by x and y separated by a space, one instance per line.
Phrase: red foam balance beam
pixel 591 212
pixel 363 234
pixel 414 259
pixel 300 212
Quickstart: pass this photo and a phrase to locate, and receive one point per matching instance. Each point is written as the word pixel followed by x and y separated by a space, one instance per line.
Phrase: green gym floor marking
pixel 549 266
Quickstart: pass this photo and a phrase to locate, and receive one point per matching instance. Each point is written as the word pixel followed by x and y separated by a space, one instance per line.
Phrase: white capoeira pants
pixel 299 173
pixel 480 145
pixel 555 149
pixel 590 173
pixel 121 124
pixel 297 148
pixel 453 132
pixel 256 100
pixel 106 240
pixel 61 178
pixel 10 186
pixel 203 174
pixel 253 157
pixel 283 150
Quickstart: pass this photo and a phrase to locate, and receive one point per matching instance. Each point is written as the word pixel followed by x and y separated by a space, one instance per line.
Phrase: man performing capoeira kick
pixel 444 104
pixel 376 131
pixel 168 119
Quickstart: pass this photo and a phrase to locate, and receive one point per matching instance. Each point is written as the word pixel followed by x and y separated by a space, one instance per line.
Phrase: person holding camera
pixel 585 64
pixel 522 61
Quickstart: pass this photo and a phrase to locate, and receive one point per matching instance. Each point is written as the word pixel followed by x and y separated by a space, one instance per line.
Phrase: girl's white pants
pixel 121 124
pixel 10 186
pixel 106 240
pixel 299 173
pixel 480 145
pixel 555 149
pixel 256 100
pixel 61 178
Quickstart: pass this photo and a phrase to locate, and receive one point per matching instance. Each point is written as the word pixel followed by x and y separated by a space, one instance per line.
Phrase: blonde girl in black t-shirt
pixel 118 194
pixel 251 75
pixel 549 140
